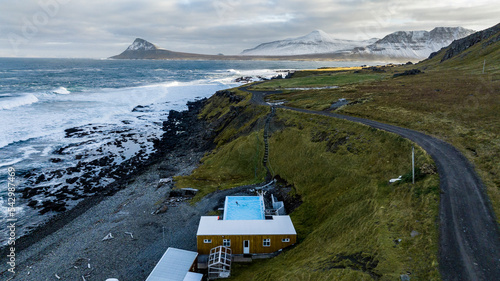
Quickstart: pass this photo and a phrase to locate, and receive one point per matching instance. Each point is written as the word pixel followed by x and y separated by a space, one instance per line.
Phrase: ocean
pixel 59 114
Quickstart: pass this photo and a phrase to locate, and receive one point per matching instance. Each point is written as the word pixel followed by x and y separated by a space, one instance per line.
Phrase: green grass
pixel 452 100
pixel 237 159
pixel 349 208
pixel 350 215
pixel 219 106
pixel 336 78
pixel 351 219
pixel 471 61
pixel 455 105
pixel 310 99
pixel 236 163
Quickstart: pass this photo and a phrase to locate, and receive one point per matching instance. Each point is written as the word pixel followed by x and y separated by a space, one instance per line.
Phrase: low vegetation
pixel 237 158
pixel 353 224
pixel 456 106
pixel 322 78
pixel 452 100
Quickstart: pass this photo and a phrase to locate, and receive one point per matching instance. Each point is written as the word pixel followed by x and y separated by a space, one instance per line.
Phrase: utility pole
pixel 413 163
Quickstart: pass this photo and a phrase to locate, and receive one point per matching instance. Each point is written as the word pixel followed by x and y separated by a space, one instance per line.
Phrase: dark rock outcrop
pixel 460 45
pixel 233 98
pixel 408 72
pixel 184 131
pixel 142 45
pixel 101 174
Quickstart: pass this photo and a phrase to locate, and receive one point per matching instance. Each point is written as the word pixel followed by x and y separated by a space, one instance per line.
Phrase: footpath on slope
pixel 266 143
pixel 469 240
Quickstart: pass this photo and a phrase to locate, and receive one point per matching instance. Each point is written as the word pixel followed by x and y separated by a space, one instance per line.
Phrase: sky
pixel 100 29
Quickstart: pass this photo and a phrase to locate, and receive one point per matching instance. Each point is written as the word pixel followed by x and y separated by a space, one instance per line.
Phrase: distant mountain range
pixel 401 44
pixel 415 44
pixel 316 42
pixel 318 45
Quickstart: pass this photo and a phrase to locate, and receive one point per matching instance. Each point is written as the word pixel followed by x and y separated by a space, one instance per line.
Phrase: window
pixel 285 240
pixel 207 241
pixel 266 243
pixel 226 242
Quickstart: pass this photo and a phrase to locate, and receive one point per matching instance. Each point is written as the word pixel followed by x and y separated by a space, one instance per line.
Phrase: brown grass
pixel 460 106
pixel 453 105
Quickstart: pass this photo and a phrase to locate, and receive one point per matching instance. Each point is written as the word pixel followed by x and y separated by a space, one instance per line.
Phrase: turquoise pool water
pixel 244 208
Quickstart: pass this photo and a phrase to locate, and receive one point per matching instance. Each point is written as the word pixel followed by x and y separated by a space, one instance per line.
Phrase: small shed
pixel 176 265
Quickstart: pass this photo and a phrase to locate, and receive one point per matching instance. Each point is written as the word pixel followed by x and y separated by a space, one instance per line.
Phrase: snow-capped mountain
pixel 141 45
pixel 414 44
pixel 316 42
pixel 400 45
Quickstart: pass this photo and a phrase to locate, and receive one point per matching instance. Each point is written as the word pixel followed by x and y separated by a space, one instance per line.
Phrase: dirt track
pixel 469 240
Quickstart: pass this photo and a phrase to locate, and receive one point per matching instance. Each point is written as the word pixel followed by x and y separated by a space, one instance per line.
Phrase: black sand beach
pixel 71 246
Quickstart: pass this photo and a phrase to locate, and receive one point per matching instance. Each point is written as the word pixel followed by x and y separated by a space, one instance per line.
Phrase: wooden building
pixel 246 236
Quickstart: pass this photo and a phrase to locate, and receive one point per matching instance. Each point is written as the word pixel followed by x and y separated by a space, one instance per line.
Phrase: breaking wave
pixel 61 91
pixel 12 102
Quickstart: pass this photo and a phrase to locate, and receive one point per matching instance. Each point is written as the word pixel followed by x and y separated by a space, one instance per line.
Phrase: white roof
pixel 279 225
pixel 192 276
pixel 174 266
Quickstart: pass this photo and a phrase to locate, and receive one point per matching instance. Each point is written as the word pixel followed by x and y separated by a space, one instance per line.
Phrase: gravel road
pixel 469 242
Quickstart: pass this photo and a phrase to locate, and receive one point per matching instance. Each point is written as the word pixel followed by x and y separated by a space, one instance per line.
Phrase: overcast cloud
pixel 98 29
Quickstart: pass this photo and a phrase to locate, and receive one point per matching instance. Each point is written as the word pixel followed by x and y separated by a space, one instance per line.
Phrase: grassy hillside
pixel 322 79
pixel 237 158
pixel 351 220
pixel 483 51
pixel 452 100
pixel 353 224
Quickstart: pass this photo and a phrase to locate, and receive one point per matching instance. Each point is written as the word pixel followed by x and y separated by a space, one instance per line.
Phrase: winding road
pixel 469 240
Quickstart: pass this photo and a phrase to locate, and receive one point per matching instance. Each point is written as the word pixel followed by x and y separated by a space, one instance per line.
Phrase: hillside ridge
pixel 460 45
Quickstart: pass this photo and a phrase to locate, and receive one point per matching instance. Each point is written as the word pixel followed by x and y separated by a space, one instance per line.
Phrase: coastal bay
pixel 139 216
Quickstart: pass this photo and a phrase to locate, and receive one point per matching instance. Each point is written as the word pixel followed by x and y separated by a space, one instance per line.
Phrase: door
pixel 246 246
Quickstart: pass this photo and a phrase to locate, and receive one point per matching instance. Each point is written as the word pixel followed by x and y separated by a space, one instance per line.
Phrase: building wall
pixel 256 243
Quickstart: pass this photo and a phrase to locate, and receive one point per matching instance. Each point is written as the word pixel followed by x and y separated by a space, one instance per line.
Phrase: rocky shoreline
pixel 99 171
pixel 73 232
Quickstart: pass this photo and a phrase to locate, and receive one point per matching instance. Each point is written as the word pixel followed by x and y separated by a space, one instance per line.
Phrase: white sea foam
pixel 46 151
pixel 28 150
pixel 233 71
pixel 10 163
pixel 54 113
pixel 61 91
pixel 234 74
pixel 12 102
pixel 6 211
